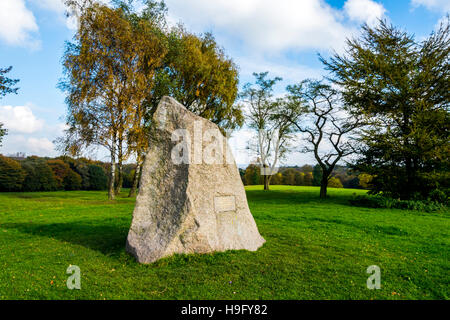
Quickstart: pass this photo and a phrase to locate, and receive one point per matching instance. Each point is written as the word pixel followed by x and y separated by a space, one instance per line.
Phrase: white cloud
pixel 17 24
pixel 40 146
pixel 59 8
pixel 364 11
pixel 265 24
pixel 433 5
pixel 20 119
pixel 270 25
pixel 29 145
pixel 238 143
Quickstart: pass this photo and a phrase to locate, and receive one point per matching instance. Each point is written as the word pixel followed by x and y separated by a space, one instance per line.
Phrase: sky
pixel 282 37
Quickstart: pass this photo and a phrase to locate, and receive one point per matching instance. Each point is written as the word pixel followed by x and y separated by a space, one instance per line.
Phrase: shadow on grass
pixel 109 239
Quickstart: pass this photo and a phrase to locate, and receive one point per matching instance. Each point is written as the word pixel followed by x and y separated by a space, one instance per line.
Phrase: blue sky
pixel 282 37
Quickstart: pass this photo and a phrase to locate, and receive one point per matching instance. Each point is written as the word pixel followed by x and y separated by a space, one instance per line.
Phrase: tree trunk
pixel 266 182
pixel 112 174
pixel 137 173
pixel 119 170
pixel 323 186
pixel 119 178
pixel 410 179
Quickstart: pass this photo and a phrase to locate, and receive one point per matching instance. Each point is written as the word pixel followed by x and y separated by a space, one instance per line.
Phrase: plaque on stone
pixel 224 203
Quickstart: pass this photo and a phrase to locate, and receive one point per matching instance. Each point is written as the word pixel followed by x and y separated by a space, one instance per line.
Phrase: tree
pixel 308 179
pixel 401 88
pixel 252 175
pixel 72 181
pixel 6 87
pixel 97 177
pixel 289 176
pixel 196 72
pixel 266 116
pixel 81 166
pixel 3 133
pixel 334 182
pixel 11 174
pixel 7 84
pixel 365 180
pixel 327 126
pixel 317 175
pixel 109 71
pixel 39 175
pixel 277 179
pixel 299 178
pixel 60 170
pixel 136 177
pixel 306 168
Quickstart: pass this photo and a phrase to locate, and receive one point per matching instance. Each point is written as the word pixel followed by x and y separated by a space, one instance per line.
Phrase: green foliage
pixel 6 87
pixel 365 180
pixel 128 175
pixel 97 177
pixel 439 196
pixel 81 167
pixel 276 179
pixel 11 174
pixel 252 175
pixel 308 179
pixel 67 174
pixel 3 133
pixel 334 182
pixel 7 84
pixel 401 88
pixel 299 178
pixel 72 181
pixel 39 175
pixel 197 73
pixel 60 170
pixel 317 175
pixel 290 177
pixel 379 201
pixel 242 174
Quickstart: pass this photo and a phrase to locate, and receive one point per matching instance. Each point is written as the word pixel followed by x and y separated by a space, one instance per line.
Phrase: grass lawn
pixel 314 250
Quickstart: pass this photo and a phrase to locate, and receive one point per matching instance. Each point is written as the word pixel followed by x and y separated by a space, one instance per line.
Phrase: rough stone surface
pixel 193 207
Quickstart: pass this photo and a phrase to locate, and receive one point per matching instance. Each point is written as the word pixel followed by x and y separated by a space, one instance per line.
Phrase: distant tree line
pixel 307 175
pixel 62 173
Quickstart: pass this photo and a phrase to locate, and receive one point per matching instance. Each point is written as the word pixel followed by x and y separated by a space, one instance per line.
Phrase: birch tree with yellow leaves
pixel 109 69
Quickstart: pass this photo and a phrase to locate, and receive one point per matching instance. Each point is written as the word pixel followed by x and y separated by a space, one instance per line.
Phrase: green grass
pixel 314 250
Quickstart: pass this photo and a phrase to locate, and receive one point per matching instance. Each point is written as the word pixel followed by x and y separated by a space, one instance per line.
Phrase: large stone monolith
pixel 191 198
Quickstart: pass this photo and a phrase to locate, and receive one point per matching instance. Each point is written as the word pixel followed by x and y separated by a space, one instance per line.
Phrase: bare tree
pixel 264 115
pixel 327 125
